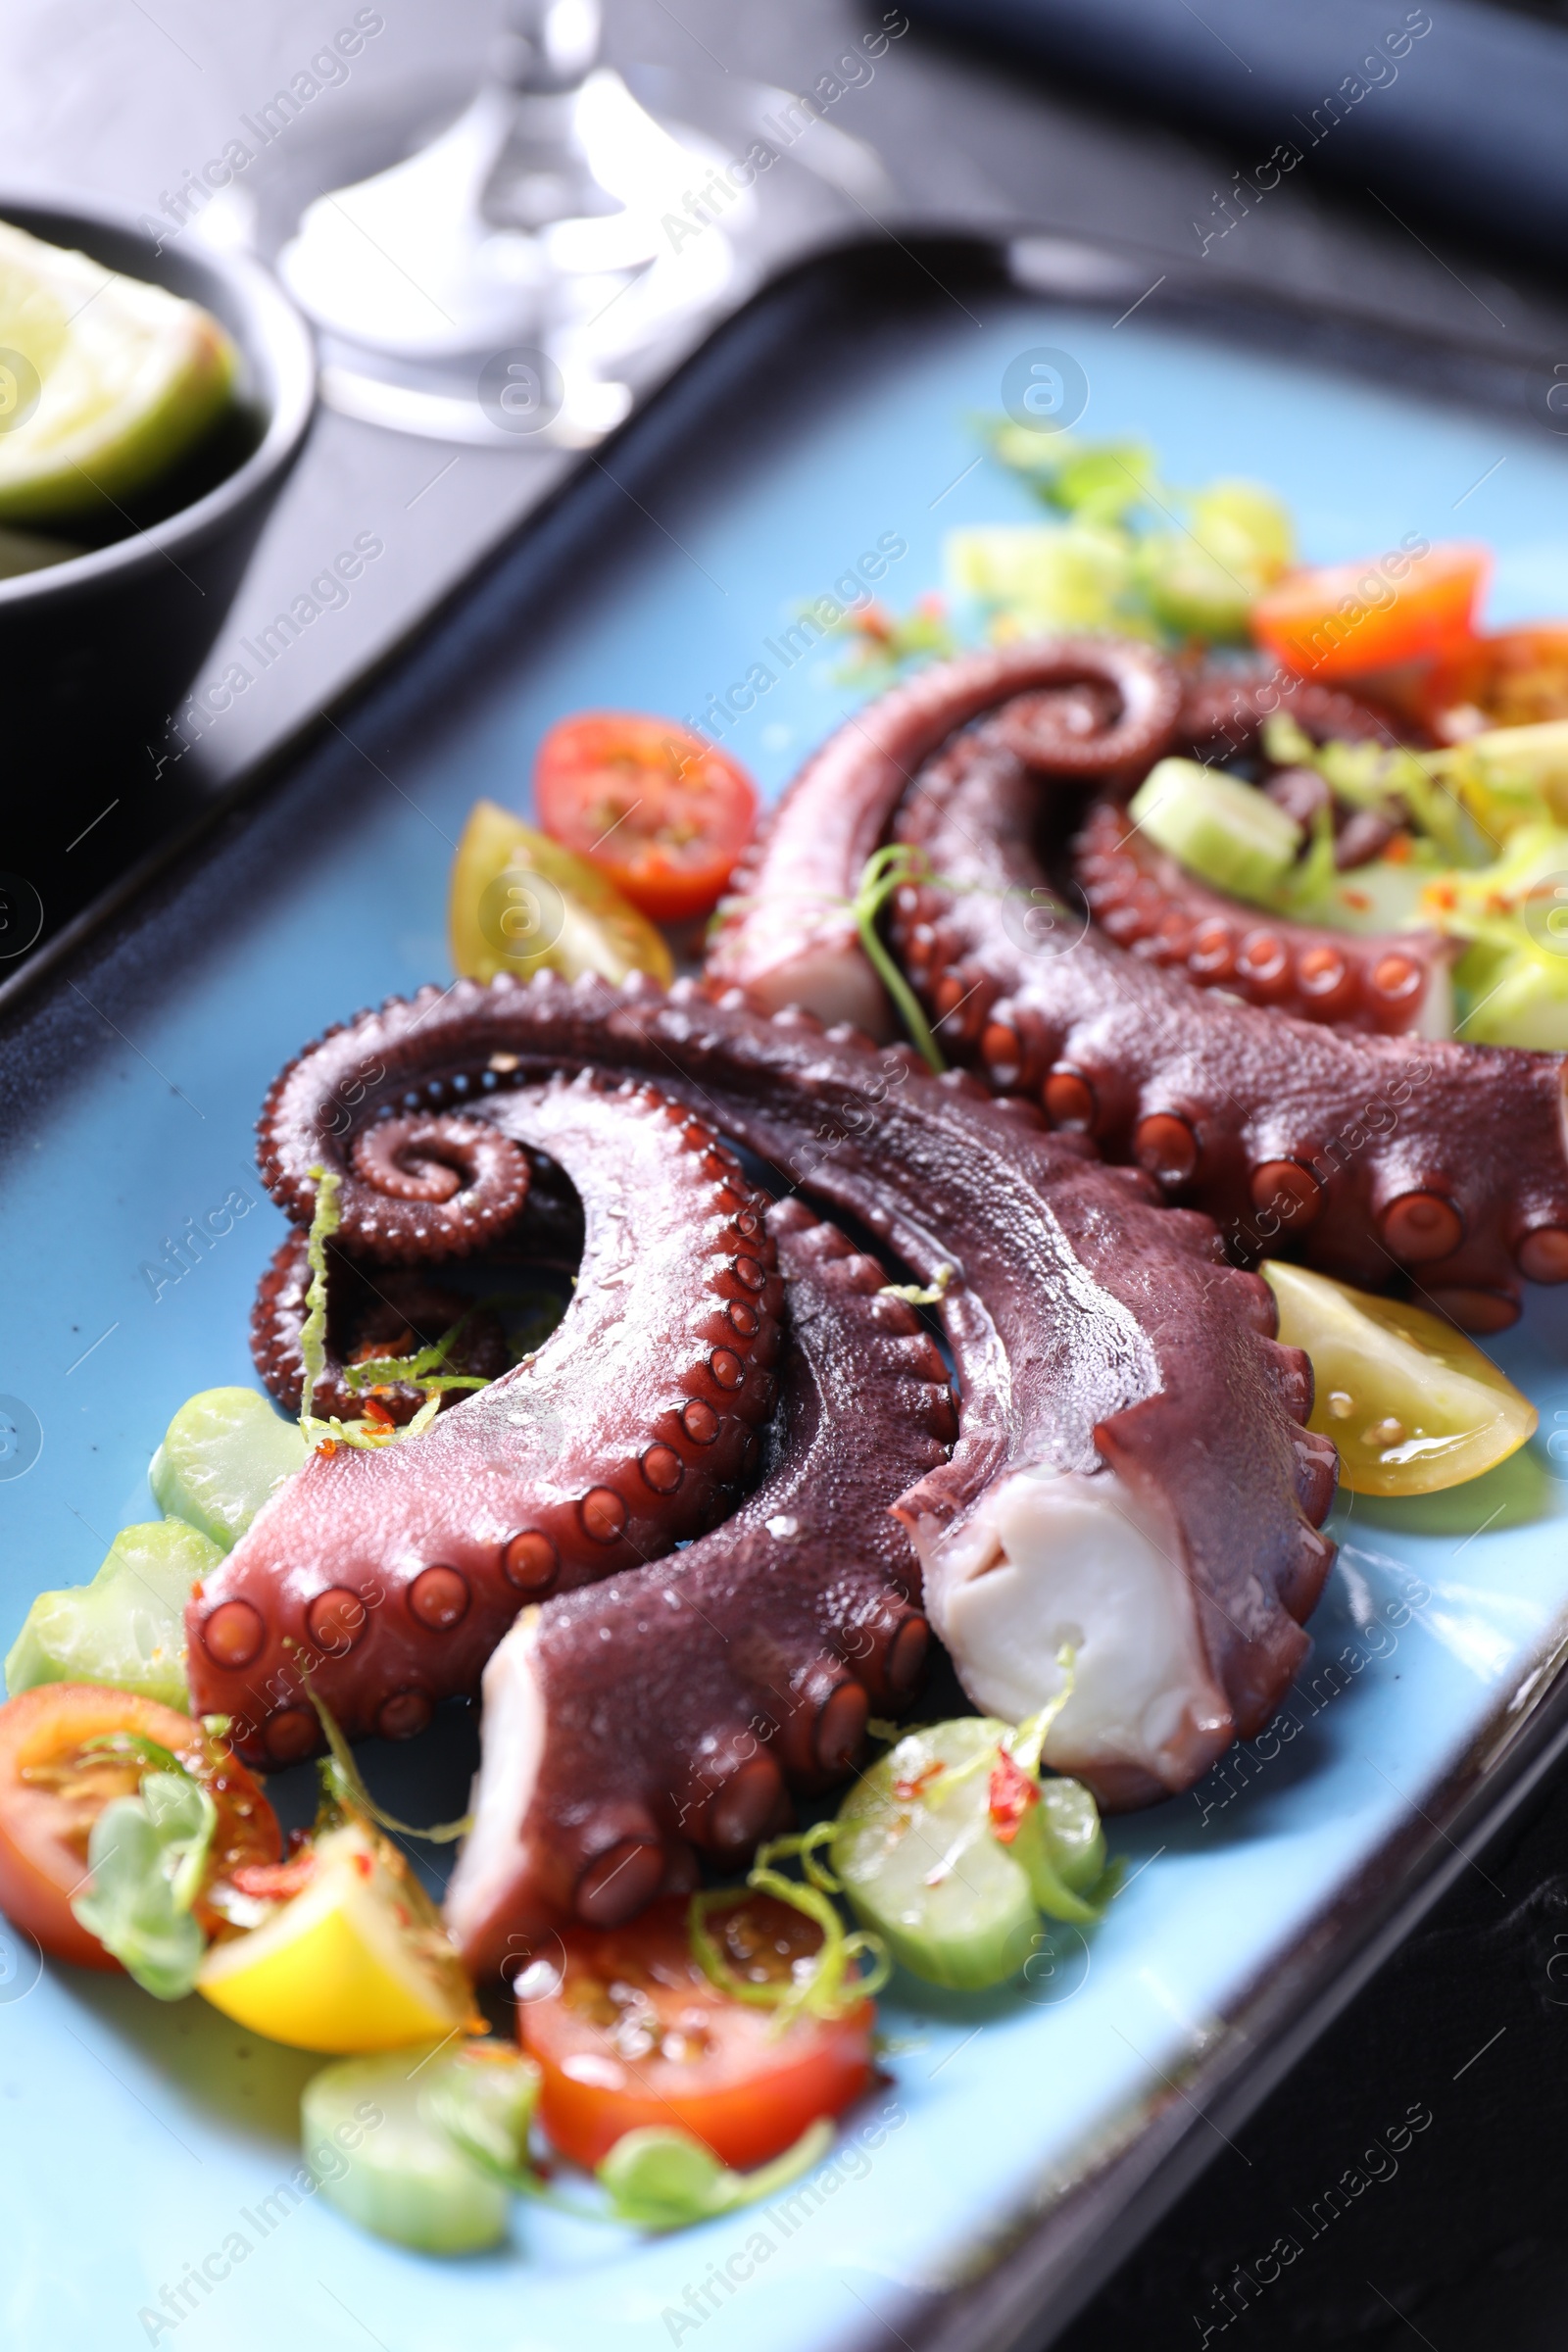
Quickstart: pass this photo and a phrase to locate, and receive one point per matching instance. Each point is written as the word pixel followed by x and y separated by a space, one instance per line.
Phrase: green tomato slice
pixel 917 1852
pixel 1410 1404
pixel 225 1452
pixel 126 1629
pixel 375 2138
pixel 118 379
pixel 519 902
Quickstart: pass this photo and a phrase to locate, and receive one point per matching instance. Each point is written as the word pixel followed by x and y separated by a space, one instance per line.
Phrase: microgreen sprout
pixel 885 872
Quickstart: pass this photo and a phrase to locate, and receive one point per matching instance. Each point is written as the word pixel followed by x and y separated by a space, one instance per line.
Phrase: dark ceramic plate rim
pixel 1053 2257
pixel 289 357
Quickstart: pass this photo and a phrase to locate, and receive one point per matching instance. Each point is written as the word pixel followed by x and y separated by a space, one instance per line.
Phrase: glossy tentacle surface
pixel 1381 1153
pixel 1143 900
pixel 790 938
pixel 754 1655
pixel 390 1574
pixel 425 1184
pixel 1119 1389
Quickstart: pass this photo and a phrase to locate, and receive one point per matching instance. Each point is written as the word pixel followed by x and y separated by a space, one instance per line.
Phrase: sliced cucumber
pixel 126 1629
pixel 1044 575
pixel 1220 828
pixel 1074 1837
pixel 1525 1003
pixel 921 1862
pixel 225 1452
pixel 373 2139
pixel 1193 591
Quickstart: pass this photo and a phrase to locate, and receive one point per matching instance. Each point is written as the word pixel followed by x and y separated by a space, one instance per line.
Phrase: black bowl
pixel 96 652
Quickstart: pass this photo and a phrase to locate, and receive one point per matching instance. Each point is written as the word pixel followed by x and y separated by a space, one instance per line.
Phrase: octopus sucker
pixel 757 1654
pixel 388 1577
pixel 1093 1333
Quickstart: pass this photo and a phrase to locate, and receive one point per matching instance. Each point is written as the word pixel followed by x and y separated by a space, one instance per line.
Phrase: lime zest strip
pixel 930 1294
pixel 348 1782
pixel 828 1990
pixel 325 1219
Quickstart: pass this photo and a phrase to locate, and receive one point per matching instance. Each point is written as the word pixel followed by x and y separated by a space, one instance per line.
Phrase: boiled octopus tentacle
pixel 390 1576
pixel 1448 1159
pixel 430 1184
pixel 1131 1473
pixel 372 1311
pixel 756 1655
pixel 1086 709
pixel 1383 1155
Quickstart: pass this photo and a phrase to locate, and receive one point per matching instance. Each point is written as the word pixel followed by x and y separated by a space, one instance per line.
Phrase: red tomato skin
pixel 775 2088
pixel 1344 620
pixel 672 775
pixel 38 1874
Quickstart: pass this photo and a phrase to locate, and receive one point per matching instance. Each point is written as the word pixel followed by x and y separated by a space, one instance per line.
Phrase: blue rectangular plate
pixel 1025 2139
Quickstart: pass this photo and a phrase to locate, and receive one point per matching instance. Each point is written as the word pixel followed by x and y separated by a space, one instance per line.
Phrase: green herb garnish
pixel 886 871
pixel 147 1855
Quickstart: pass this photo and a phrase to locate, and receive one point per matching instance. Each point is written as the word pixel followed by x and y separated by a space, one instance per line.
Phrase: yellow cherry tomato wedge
pixel 1410 1404
pixel 661 811
pixel 357 1960
pixel 1342 620
pixel 519 902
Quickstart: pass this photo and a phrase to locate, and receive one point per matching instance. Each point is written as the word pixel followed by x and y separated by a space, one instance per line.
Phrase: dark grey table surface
pixel 1468 2245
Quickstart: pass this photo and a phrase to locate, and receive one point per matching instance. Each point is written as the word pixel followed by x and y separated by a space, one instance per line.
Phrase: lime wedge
pixel 357 1961
pixel 1410 1404
pixel 104 383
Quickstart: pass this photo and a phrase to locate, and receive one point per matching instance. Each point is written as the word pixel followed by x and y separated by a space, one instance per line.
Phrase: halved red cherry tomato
pixel 53 1788
pixel 1344 620
pixel 636 2035
pixel 1518 678
pixel 660 810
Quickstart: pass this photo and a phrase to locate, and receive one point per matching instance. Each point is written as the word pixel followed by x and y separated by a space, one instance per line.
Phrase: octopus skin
pixel 756 1654
pixel 1442 1162
pixel 388 1577
pixel 789 937
pixel 1124 1409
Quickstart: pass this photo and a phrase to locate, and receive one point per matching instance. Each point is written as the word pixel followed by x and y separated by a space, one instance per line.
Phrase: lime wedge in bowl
pixel 105 383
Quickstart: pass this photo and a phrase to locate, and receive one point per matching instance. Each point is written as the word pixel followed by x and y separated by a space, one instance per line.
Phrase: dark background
pixel 1465 2245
